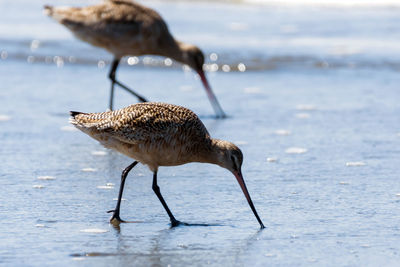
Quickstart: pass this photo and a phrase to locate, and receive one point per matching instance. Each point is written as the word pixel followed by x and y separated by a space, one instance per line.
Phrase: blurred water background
pixel 311 88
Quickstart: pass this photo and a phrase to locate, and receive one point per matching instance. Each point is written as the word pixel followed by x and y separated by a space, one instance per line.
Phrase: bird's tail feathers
pixel 83 120
pixel 62 14
pixel 48 10
pixel 73 119
pixel 74 113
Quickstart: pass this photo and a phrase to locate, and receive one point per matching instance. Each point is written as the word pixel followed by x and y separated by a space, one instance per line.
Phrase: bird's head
pixel 193 57
pixel 230 157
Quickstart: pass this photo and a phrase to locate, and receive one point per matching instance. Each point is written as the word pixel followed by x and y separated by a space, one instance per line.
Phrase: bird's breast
pixel 152 153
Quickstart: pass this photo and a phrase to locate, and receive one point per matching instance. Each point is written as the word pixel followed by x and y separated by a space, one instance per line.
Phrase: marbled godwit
pixel 125 28
pixel 158 134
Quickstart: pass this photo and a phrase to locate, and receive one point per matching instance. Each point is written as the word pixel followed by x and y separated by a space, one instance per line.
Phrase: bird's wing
pixel 113 18
pixel 144 122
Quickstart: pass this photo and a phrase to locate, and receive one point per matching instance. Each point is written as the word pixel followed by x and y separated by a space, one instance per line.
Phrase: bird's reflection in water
pixel 246 244
pixel 196 245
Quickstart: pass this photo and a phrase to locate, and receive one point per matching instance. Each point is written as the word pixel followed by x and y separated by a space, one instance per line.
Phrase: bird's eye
pixel 199 61
pixel 234 163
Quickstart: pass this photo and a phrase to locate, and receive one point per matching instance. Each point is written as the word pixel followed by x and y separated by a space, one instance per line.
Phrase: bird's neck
pixel 175 50
pixel 212 152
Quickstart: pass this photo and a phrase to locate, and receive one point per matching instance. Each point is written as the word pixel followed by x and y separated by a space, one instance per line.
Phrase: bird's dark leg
pixel 111 75
pixel 156 189
pixel 113 79
pixel 115 218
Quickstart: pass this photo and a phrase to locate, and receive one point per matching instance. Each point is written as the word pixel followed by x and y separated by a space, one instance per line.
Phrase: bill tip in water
pixel 221 115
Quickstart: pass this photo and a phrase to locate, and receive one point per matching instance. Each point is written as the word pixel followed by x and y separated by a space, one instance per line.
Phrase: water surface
pixel 329 197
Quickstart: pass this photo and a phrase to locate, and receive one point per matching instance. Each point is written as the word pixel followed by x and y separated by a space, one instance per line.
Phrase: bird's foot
pixel 175 223
pixel 115 219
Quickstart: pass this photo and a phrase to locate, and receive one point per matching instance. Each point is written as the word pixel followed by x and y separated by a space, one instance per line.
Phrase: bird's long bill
pixel 239 177
pixel 213 99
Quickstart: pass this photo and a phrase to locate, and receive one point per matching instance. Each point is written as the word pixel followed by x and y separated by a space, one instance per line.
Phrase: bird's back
pixel 122 27
pixel 156 134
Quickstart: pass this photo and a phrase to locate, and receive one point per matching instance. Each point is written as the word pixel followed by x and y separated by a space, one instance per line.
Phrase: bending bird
pixel 124 27
pixel 158 134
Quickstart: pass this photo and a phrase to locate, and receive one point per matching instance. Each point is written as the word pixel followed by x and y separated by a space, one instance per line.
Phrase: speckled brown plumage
pixel 120 26
pixel 155 134
pixel 124 28
pixel 158 134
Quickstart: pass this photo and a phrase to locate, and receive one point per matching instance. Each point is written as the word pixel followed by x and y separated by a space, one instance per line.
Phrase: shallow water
pixel 269 36
pixel 333 200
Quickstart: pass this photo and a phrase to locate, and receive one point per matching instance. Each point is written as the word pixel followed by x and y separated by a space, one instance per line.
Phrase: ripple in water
pixel 94 231
pixel 4 117
pixel 107 187
pixel 46 177
pixel 282 132
pixel 241 142
pixel 99 153
pixel 68 128
pixel 101 64
pixel 295 150
pixel 302 115
pixel 306 107
pixel 186 88
pixel 78 258
pixel 252 90
pixel 89 169
pixel 355 163
pixel 122 199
